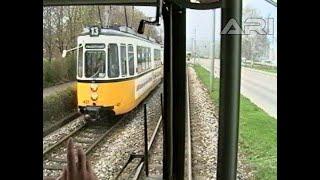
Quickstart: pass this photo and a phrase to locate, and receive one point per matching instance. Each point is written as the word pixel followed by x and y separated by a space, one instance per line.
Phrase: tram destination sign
pixel 94 31
pixel 95 46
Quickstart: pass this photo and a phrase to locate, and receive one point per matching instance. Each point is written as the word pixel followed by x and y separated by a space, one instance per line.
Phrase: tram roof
pixel 121 31
pixel 100 2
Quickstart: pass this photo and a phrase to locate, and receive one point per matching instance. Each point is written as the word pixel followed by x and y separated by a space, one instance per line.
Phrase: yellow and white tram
pixel 116 70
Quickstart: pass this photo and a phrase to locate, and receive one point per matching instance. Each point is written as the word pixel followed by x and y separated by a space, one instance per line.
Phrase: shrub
pixel 59 71
pixel 47 78
pixel 57 106
pixel 71 65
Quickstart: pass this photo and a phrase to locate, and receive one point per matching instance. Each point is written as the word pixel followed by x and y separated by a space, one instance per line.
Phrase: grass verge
pixel 257 132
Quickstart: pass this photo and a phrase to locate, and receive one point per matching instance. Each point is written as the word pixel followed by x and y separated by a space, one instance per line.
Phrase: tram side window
pixel 131 59
pixel 149 58
pixel 80 61
pixel 139 59
pixel 123 58
pixel 157 57
pixel 143 58
pixel 113 61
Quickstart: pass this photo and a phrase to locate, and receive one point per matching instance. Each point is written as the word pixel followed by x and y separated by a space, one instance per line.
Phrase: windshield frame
pixel 80 62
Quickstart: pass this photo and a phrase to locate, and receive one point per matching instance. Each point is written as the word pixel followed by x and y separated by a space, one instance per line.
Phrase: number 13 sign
pixel 94 31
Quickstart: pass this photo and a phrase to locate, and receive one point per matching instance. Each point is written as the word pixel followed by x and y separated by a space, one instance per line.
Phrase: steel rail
pixel 61 123
pixel 64 139
pixel 139 169
pixel 188 128
pixel 79 129
pixel 95 143
pixel 104 135
pixel 90 148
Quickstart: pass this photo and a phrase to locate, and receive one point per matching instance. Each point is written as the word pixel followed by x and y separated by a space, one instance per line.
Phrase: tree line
pixel 62 24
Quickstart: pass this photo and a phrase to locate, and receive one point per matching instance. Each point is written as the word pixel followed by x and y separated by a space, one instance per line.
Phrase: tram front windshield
pixel 95 64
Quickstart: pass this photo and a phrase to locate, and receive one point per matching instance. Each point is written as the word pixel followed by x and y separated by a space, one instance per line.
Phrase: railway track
pixel 138 166
pixel 188 132
pixel 87 136
pixel 188 158
pixel 61 123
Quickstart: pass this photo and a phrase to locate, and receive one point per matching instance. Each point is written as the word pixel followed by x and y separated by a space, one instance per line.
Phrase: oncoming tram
pixel 116 70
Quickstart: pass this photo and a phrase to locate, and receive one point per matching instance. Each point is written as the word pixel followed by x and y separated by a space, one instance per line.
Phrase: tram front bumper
pixel 95 112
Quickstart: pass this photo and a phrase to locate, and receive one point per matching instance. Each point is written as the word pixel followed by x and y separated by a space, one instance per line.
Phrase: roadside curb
pixel 260 71
pixel 250 69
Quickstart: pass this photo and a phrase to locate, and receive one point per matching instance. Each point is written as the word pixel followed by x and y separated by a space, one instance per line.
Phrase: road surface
pixel 54 89
pixel 259 87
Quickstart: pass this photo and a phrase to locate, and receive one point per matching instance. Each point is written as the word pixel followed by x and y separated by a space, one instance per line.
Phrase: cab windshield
pixel 95 64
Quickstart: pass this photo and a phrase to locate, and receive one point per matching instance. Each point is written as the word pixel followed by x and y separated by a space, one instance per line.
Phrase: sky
pixel 150 12
pixel 201 21
pixel 196 18
pixel 147 10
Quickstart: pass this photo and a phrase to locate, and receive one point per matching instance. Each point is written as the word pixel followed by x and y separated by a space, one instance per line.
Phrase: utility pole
pixel 272 41
pixel 213 49
pixel 272 38
pixel 195 45
pixel 273 3
pixel 125 14
pixel 161 35
pixel 101 23
pixel 132 17
pixel 252 51
pixel 107 14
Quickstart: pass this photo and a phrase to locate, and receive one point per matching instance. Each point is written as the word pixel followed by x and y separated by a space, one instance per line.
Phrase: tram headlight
pixel 94 96
pixel 94 87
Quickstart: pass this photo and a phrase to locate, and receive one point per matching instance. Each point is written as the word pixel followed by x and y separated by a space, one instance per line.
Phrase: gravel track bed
pixel 82 138
pixel 112 154
pixel 204 133
pixel 55 136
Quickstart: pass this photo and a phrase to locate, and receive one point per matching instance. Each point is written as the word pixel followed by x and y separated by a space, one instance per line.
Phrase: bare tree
pixel 254 46
pixel 60 39
pixel 62 25
pixel 47 33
